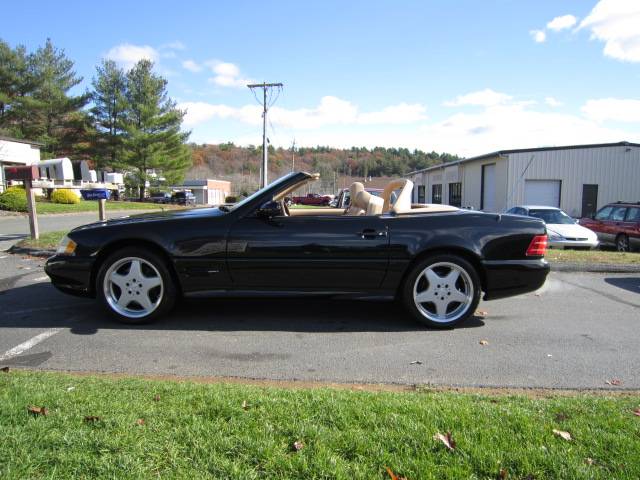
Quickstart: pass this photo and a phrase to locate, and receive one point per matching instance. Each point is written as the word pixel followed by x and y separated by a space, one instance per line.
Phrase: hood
pixel 571 230
pixel 156 216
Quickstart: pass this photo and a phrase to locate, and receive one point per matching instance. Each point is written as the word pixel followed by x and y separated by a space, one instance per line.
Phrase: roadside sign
pixel 96 194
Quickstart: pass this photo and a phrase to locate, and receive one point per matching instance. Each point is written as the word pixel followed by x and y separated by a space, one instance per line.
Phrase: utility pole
pixel 293 156
pixel 265 107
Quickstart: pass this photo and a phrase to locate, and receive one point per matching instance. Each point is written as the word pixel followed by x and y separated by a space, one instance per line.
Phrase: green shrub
pixel 64 195
pixel 231 199
pixel 13 199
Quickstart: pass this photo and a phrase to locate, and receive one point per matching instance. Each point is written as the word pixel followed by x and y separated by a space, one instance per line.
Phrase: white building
pixel 17 152
pixel 209 191
pixel 577 178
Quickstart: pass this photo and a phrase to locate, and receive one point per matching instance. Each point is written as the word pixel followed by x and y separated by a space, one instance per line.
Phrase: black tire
pixel 622 243
pixel 168 288
pixel 469 281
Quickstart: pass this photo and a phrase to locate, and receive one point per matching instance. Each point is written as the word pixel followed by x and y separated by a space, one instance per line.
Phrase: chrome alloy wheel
pixel 443 292
pixel 133 287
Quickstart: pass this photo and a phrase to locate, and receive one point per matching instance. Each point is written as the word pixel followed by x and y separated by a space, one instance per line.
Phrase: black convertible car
pixel 436 259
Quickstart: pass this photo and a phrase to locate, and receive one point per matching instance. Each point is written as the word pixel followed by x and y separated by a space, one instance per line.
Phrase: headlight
pixel 66 246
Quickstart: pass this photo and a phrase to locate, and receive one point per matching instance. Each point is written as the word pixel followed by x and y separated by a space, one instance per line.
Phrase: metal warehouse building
pixel 577 178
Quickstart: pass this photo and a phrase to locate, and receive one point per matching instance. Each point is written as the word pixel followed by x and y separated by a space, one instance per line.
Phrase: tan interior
pixel 300 212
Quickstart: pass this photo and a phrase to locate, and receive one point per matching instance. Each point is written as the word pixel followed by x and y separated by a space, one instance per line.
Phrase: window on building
pixel 421 194
pixel 436 193
pixel 455 194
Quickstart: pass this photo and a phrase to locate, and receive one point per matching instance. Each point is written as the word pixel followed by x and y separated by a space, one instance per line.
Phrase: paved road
pixel 578 331
pixel 15 227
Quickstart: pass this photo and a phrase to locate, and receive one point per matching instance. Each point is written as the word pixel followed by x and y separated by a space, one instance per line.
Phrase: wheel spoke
pixel 432 277
pixel 441 307
pixel 426 296
pixel 119 280
pixel 452 277
pixel 150 282
pixel 135 271
pixel 124 300
pixel 458 296
pixel 144 300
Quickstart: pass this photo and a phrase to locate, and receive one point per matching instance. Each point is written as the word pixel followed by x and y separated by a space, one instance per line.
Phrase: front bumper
pixel 71 274
pixel 573 243
pixel 506 278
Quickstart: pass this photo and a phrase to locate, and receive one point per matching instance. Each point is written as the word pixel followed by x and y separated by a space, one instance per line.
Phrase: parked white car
pixel 563 231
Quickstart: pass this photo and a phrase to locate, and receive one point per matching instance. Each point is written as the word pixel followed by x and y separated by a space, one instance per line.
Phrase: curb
pixel 32 252
pixel 595 267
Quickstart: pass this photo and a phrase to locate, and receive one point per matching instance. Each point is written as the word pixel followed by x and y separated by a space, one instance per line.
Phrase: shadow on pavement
pixel 41 306
pixel 631 284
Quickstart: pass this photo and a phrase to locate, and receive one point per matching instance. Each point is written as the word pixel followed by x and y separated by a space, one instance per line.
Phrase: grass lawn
pixel 92 206
pixel 592 256
pixel 47 240
pixel 97 427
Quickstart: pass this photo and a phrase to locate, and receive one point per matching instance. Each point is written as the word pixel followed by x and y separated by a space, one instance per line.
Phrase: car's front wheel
pixel 442 291
pixel 135 285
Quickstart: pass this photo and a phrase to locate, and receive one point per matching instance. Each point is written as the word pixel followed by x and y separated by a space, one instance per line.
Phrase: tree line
pixel 125 121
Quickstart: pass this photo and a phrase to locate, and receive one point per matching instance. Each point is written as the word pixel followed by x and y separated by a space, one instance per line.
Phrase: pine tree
pixel 108 112
pixel 54 114
pixel 153 139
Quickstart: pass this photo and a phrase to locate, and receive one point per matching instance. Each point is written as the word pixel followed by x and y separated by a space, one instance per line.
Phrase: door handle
pixel 371 233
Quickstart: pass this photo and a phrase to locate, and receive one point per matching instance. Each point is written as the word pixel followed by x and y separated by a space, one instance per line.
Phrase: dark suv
pixel 183 198
pixel 617 224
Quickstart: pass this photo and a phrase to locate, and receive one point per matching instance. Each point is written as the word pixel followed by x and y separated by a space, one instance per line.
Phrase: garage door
pixel 542 192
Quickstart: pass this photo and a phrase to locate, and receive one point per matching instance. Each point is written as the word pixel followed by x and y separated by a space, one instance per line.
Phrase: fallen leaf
pixel 484 342
pixel 140 421
pixel 298 445
pixel 245 405
pixel 37 410
pixel 503 473
pixel 481 313
pixel 416 362
pixel 393 475
pixel 636 412
pixel 589 461
pixel 91 419
pixel 616 382
pixel 4 369
pixel 447 440
pixel 156 398
pixel 70 389
pixel 563 434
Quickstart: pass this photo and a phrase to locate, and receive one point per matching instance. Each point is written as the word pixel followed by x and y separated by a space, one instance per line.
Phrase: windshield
pixel 552 216
pixel 253 196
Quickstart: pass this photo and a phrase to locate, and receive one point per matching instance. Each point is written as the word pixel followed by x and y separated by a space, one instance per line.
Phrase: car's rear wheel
pixel 622 243
pixel 135 286
pixel 442 291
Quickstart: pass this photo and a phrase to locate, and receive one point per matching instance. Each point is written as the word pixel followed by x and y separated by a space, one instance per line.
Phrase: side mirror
pixel 269 209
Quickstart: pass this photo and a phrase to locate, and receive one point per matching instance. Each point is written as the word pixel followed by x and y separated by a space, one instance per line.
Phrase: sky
pixel 458 76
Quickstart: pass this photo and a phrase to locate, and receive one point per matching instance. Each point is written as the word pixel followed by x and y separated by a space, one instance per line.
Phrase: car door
pixel 598 224
pixel 307 252
pixel 615 223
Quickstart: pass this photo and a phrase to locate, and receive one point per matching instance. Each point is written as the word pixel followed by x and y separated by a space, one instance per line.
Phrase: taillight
pixel 538 246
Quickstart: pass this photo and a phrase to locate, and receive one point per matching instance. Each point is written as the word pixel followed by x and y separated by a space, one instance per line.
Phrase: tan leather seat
pixel 371 204
pixel 403 201
pixel 353 208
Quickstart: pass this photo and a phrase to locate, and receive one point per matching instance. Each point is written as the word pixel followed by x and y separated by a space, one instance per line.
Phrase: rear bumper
pixel 71 274
pixel 506 278
pixel 573 244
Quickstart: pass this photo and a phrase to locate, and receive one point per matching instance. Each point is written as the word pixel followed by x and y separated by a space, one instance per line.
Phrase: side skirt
pixel 371 296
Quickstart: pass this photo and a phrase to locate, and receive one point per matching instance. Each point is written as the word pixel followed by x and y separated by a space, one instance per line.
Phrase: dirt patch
pixel 366 387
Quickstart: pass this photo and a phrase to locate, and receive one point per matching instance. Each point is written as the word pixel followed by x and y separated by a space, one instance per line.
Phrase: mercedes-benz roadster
pixel 437 260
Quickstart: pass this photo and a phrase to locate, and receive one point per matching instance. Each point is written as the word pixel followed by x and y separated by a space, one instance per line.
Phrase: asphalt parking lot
pixel 579 331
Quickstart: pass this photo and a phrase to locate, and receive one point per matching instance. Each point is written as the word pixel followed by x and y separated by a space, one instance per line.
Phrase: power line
pixel 266 91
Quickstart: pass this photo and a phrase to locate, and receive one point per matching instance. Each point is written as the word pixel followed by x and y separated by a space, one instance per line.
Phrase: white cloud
pixel 331 111
pixel 127 55
pixel 177 45
pixel 553 102
pixel 192 66
pixel 227 74
pixel 617 24
pixel 539 36
pixel 614 109
pixel 480 98
pixel 561 23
